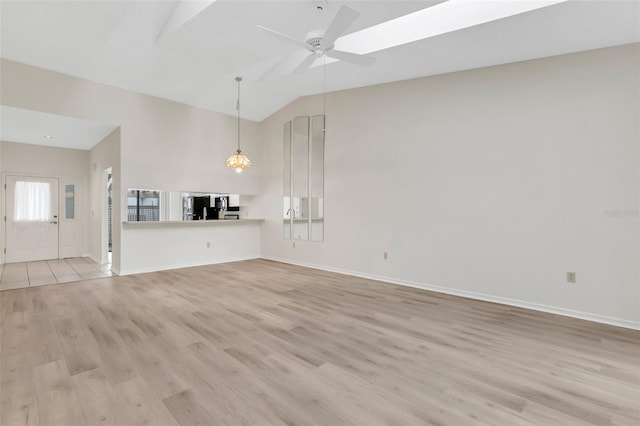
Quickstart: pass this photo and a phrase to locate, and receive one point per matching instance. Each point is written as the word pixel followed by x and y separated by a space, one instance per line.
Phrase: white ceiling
pixel 191 52
pixel 38 128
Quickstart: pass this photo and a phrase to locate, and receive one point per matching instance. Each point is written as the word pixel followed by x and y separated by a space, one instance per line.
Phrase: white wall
pixel 492 183
pixel 1 207
pixel 158 246
pixel 70 166
pixel 163 144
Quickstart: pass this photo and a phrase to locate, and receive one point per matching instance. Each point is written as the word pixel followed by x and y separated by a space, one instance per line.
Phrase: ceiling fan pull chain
pixel 324 93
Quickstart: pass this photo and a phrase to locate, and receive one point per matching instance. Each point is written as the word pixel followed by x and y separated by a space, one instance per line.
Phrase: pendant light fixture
pixel 238 161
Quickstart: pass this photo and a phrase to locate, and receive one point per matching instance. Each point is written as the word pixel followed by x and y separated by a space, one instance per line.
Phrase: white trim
pixel 619 322
pixel 183 265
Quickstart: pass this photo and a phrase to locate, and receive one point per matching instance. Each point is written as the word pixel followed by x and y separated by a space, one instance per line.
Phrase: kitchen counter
pixel 154 246
pixel 219 222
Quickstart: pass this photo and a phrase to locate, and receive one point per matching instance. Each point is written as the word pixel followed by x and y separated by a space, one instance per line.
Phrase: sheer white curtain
pixel 32 201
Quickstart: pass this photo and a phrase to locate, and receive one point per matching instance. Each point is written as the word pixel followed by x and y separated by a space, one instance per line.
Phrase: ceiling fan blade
pixel 343 19
pixel 284 37
pixel 354 58
pixel 305 64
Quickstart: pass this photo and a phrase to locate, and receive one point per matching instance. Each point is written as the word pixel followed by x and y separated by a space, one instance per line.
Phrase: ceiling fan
pixel 321 42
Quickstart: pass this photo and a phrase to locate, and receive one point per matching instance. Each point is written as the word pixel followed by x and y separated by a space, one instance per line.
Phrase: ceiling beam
pixel 185 11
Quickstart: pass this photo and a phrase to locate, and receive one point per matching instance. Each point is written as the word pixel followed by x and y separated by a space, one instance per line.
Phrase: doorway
pixel 110 211
pixel 31 214
pixel 107 216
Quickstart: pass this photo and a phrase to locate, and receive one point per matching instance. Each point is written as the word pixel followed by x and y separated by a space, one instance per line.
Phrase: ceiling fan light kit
pixel 238 161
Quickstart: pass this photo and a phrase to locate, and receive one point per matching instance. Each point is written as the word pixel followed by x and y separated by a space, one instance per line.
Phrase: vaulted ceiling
pixel 191 51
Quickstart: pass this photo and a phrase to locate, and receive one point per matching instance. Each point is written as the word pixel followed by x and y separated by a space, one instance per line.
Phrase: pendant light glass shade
pixel 238 161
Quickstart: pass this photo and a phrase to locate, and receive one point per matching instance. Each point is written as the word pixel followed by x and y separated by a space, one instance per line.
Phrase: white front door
pixel 32 218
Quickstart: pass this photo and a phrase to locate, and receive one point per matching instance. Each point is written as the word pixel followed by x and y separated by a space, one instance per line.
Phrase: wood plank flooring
pixel 264 343
pixel 32 274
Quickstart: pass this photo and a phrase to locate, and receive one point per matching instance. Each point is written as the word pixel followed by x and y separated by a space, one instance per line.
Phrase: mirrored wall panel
pixel 300 178
pixel 303 181
pixel 316 178
pixel 286 190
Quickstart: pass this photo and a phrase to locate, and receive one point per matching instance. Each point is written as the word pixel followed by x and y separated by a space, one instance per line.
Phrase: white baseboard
pixel 619 322
pixel 182 265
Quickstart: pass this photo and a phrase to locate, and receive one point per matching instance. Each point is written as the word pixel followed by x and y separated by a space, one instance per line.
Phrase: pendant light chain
pixel 238 79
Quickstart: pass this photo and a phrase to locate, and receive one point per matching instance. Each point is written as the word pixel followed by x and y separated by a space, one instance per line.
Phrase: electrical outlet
pixel 208 244
pixel 571 277
pixel 385 255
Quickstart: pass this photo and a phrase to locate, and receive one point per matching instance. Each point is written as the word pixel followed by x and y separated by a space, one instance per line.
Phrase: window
pixel 69 201
pixel 144 205
pixel 32 201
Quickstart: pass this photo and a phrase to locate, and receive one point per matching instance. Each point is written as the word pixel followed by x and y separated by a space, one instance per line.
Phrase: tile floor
pixel 32 274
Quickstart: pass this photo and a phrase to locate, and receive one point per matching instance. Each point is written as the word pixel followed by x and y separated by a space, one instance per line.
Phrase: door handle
pixel 55 222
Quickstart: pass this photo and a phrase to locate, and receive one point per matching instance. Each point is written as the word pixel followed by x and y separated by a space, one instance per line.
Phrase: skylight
pixel 440 19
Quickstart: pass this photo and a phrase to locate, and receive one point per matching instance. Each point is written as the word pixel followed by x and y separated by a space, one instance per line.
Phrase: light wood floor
pixel 261 343
pixel 33 274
